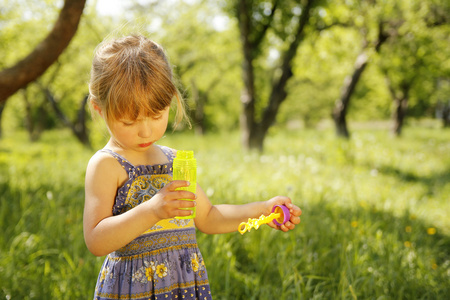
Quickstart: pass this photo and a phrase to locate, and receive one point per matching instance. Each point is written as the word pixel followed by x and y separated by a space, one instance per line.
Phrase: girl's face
pixel 140 134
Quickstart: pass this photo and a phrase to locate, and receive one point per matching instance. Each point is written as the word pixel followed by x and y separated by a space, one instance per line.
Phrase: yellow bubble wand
pixel 280 215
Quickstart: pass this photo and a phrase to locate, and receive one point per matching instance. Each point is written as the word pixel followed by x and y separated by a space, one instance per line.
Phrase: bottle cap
pixel 185 154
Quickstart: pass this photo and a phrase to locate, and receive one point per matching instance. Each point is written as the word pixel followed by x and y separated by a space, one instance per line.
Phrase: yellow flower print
pixel 194 262
pixel 161 270
pixel 195 265
pixel 104 272
pixel 149 273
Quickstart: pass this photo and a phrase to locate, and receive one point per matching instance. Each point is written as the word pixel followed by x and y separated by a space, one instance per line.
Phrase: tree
pixel 285 22
pixel 374 20
pixel 205 57
pixel 412 61
pixel 58 98
pixel 2 107
pixel 46 53
pixel 78 127
pixel 350 82
pixel 442 110
pixel 404 28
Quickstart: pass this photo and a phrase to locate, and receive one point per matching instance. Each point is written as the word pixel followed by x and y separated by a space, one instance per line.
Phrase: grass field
pixel 375 221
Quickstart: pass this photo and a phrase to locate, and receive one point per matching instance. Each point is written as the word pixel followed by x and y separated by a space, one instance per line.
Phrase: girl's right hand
pixel 167 202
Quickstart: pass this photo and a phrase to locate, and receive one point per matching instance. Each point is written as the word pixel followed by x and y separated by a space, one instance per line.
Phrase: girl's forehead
pixel 142 114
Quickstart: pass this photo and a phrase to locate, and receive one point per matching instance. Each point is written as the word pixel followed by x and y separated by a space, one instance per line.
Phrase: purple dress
pixel 162 263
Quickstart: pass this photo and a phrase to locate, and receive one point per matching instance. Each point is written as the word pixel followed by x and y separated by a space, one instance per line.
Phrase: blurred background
pixel 344 106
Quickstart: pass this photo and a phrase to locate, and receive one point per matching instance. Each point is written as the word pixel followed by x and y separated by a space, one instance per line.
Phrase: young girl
pixel 131 201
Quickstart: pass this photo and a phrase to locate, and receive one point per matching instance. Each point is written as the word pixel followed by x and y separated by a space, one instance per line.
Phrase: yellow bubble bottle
pixel 185 168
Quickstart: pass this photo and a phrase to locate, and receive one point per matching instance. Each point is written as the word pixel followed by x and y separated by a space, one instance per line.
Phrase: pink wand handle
pixel 285 215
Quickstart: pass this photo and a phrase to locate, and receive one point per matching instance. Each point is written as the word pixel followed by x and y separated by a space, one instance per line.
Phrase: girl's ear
pixel 96 108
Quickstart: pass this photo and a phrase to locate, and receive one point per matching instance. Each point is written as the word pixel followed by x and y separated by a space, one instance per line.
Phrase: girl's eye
pixel 127 123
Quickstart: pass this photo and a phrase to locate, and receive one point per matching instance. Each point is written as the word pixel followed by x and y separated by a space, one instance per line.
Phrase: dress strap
pixel 168 152
pixel 122 161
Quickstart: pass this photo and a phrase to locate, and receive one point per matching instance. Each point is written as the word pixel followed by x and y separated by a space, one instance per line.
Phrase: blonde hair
pixel 131 76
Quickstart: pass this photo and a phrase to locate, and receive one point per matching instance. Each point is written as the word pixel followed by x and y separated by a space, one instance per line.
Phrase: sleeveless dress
pixel 162 263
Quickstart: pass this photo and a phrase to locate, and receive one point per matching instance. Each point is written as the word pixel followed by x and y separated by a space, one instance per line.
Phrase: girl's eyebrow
pixel 140 117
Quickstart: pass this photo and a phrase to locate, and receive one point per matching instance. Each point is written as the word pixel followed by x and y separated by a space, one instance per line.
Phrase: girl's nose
pixel 145 129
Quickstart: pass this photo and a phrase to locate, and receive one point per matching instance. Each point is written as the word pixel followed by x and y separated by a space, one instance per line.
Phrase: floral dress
pixel 162 263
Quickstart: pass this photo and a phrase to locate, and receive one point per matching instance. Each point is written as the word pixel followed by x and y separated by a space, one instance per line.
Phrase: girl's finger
pixel 172 186
pixel 183 213
pixel 184 204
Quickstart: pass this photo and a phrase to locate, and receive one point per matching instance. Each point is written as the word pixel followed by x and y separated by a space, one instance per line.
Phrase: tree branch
pixel 46 53
pixel 266 26
pixel 278 94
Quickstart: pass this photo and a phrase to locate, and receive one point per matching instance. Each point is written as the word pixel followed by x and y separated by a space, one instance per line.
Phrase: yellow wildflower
pixel 431 231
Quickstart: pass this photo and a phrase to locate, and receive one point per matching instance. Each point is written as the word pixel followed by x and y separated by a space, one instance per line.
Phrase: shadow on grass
pixel 335 253
pixel 439 178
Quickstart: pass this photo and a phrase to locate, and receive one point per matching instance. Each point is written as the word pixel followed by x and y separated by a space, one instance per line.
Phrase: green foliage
pixel 67 79
pixel 23 25
pixel 417 56
pixel 42 253
pixel 207 58
pixel 374 224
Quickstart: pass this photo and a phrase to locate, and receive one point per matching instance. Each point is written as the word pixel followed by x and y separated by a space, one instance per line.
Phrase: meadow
pixel 375 221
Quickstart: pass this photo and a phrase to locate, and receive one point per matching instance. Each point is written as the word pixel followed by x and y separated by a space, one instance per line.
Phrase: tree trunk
pixel 401 107
pixel 400 96
pixel 342 104
pixel 2 108
pixel 446 115
pixel 198 115
pixel 79 128
pixel 46 53
pixel 253 132
pixel 32 125
pixel 248 97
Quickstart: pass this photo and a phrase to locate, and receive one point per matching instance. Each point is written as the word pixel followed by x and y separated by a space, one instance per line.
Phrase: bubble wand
pixel 280 215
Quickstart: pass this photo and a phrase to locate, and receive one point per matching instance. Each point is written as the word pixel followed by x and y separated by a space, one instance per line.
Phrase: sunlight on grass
pixel 375 218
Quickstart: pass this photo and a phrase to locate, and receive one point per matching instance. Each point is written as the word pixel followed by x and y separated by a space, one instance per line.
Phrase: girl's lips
pixel 145 145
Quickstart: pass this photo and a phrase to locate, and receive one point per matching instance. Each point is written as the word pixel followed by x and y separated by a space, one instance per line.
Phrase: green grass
pixel 375 221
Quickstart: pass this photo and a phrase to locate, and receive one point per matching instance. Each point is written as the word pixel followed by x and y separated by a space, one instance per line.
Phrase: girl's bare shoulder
pixel 103 165
pixel 102 159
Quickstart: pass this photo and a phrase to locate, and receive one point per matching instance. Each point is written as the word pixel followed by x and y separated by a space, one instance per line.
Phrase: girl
pixel 131 202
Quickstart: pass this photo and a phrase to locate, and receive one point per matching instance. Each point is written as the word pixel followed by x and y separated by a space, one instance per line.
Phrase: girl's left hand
pixel 294 210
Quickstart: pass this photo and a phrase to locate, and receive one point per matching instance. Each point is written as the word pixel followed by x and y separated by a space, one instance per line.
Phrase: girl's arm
pixel 213 219
pixel 105 233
